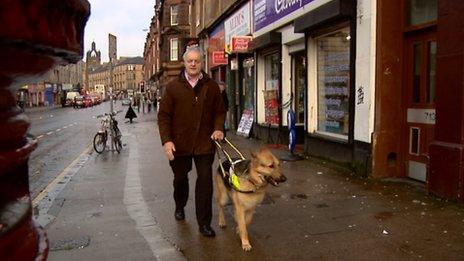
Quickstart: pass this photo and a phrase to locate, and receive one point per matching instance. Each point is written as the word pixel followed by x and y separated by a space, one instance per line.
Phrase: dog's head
pixel 268 166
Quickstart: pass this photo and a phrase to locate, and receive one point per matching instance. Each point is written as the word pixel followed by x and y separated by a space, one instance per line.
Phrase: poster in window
pixel 333 79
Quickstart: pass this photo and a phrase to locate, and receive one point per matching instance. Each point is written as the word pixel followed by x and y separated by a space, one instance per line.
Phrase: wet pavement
pixel 120 207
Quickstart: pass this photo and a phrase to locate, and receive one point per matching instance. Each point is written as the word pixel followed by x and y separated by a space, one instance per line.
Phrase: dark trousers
pixel 181 165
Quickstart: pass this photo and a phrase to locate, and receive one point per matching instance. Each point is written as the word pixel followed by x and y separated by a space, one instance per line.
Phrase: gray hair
pixel 192 49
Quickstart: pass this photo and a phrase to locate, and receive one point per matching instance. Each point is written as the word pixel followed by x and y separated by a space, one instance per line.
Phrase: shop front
pixel 240 69
pixel 307 60
pixel 339 44
pixel 218 61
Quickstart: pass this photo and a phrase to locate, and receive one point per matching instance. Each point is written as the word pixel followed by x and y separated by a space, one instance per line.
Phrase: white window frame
pixel 341 137
pixel 174 14
pixel 174 49
pixel 197 14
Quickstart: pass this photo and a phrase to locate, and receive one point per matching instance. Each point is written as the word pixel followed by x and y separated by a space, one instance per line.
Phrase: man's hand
pixel 169 149
pixel 217 135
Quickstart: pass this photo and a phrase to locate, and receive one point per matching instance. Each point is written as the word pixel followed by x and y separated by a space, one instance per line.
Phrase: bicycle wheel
pixel 99 142
pixel 118 143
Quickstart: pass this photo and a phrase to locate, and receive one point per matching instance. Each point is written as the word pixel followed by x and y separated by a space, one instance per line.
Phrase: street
pixel 63 133
pixel 119 206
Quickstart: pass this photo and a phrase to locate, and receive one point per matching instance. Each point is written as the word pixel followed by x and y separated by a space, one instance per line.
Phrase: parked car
pixel 88 101
pixel 79 101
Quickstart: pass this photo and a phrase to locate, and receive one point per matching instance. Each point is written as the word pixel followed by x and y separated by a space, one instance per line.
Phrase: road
pixel 63 134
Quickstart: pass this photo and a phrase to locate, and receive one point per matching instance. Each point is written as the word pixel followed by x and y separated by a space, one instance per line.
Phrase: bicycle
pixel 100 139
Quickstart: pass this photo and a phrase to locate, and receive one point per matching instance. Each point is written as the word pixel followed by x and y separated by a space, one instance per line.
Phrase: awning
pixel 332 11
pixel 265 40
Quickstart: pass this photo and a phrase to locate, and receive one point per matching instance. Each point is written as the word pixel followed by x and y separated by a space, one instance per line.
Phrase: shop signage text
pixel 219 58
pixel 216 46
pixel 238 24
pixel 240 43
pixel 266 12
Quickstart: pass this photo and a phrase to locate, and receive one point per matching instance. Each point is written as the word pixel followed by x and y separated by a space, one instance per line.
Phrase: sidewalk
pixel 122 206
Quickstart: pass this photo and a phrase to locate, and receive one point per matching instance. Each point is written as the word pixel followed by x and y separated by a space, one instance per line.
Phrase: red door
pixel 419 100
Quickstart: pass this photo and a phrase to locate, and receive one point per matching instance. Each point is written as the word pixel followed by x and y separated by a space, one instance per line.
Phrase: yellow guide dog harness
pixel 237 170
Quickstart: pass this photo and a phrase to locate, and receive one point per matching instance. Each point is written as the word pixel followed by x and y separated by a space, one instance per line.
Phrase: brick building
pixel 168 34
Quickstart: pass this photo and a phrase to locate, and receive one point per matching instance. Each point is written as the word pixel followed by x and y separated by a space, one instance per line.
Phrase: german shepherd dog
pixel 262 169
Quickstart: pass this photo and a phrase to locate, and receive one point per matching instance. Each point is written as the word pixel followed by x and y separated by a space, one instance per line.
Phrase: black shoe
pixel 179 214
pixel 207 231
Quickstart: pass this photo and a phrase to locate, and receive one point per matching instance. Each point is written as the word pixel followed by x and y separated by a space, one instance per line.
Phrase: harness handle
pixel 237 151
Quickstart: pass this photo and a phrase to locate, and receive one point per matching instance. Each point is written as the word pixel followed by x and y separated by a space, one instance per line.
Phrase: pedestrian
pixel 191 115
pixel 149 103
pixel 130 114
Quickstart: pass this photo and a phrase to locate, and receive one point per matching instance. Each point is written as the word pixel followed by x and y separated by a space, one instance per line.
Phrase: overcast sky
pixel 124 18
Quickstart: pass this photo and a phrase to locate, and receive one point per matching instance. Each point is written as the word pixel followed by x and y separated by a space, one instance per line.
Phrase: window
pixel 333 83
pixel 174 49
pixel 271 92
pixel 422 11
pixel 174 12
pixel 198 13
pixel 190 15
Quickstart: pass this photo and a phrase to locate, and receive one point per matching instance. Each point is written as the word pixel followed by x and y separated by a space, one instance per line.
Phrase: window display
pixel 333 82
pixel 271 92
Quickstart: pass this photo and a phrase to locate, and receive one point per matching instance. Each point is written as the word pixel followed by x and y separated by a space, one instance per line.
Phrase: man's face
pixel 193 63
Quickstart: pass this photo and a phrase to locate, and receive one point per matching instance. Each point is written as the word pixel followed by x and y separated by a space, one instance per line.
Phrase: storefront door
pixel 248 79
pixel 420 84
pixel 299 92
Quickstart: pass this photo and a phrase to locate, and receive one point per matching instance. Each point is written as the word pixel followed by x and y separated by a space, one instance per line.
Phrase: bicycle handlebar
pixel 108 114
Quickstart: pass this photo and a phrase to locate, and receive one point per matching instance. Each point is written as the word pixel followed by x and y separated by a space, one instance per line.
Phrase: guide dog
pixel 262 169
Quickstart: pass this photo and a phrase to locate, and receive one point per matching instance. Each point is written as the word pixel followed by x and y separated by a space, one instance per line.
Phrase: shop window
pixel 271 92
pixel 174 49
pixel 333 83
pixel 422 11
pixel 174 12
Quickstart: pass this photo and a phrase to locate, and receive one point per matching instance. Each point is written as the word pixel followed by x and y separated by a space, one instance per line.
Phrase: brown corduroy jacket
pixel 188 116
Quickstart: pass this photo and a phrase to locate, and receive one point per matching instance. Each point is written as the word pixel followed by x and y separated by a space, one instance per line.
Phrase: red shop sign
pixel 219 58
pixel 240 43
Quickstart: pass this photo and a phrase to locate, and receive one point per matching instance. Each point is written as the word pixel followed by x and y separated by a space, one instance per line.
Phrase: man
pixel 191 114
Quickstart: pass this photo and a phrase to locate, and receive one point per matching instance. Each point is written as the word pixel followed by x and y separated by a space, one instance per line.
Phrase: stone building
pixel 93 58
pixel 127 75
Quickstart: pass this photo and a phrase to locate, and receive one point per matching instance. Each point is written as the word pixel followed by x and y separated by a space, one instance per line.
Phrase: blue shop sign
pixel 266 12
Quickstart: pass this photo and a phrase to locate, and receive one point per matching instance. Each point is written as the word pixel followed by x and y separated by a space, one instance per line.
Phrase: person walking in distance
pixel 191 115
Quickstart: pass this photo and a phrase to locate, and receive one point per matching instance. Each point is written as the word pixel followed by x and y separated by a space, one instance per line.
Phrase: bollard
pixel 34 36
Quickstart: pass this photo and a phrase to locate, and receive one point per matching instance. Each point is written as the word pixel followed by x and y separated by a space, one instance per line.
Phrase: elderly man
pixel 190 116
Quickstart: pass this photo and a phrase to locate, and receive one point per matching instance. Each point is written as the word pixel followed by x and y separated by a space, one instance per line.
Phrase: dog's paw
pixel 246 247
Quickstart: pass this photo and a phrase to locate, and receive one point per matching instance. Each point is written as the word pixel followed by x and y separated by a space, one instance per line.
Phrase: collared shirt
pixel 191 80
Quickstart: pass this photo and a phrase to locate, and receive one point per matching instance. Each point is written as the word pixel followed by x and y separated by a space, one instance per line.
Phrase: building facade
pixel 168 35
pixel 375 85
pixel 53 85
pixel 419 102
pixel 127 75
